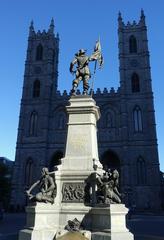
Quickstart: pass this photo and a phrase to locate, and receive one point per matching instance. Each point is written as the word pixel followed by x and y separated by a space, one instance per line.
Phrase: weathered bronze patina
pixel 73 236
pixel 47 188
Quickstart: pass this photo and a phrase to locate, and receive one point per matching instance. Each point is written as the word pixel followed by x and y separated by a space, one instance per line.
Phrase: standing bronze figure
pixel 108 188
pixel 82 72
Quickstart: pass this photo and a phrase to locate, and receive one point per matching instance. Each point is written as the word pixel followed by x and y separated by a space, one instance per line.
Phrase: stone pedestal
pixel 81 145
pixel 39 222
pixel 77 165
pixel 110 223
pixel 46 221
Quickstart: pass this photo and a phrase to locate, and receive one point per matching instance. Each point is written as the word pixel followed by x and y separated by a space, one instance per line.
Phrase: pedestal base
pixel 40 222
pixel 113 236
pixel 110 223
pixel 45 222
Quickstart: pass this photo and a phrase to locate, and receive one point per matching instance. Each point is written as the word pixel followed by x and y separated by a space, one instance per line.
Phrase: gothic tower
pixel 138 130
pixel 126 130
pixel 39 87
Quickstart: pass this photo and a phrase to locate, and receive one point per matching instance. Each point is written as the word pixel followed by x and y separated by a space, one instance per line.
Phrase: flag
pixel 97 54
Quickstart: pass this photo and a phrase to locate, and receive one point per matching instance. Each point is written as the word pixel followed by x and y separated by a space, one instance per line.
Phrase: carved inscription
pixel 73 192
pixel 78 143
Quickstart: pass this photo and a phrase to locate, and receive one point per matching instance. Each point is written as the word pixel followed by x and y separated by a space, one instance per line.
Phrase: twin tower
pixel 126 130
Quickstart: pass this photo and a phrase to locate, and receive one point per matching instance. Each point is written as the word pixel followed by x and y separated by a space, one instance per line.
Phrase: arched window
pixel 137 118
pixel 61 121
pixel 132 44
pixel 36 88
pixel 28 172
pixel 33 124
pixel 55 159
pixel 110 160
pixel 141 171
pixel 135 82
pixel 108 120
pixel 39 52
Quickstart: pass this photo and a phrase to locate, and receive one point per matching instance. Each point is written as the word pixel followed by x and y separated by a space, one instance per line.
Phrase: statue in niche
pixel 82 72
pixel 47 188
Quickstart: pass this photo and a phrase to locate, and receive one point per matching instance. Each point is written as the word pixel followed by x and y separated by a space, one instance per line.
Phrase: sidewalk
pixel 11 224
pixel 143 227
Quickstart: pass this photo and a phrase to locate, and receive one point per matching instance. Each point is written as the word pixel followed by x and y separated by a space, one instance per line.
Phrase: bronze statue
pixel 108 189
pixel 47 188
pixel 94 180
pixel 82 72
pixel 73 226
pixel 103 188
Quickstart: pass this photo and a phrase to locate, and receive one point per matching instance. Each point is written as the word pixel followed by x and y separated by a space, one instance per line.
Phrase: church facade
pixel 126 130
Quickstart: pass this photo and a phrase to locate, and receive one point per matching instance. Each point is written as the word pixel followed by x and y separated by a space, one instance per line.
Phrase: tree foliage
pixel 5 185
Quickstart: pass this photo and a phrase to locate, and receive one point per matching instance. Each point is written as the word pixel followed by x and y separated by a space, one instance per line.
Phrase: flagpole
pixel 93 78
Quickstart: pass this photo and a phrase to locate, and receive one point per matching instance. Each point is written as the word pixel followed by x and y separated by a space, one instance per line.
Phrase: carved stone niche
pixel 73 192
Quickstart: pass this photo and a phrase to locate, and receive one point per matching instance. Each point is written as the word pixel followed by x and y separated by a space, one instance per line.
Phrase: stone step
pixel 101 236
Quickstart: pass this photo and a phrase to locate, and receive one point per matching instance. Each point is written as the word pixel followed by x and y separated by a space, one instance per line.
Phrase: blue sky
pixel 79 24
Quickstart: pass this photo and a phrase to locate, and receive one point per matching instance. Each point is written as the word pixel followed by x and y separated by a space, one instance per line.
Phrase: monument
pixel 80 199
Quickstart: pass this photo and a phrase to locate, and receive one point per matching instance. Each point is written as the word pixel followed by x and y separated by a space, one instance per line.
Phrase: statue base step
pixel 37 234
pixel 39 222
pixel 109 219
pixel 44 222
pixel 109 223
pixel 111 236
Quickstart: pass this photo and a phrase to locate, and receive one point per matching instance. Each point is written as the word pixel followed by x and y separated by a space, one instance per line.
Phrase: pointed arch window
pixel 39 52
pixel 109 120
pixel 33 124
pixel 29 165
pixel 36 88
pixel 61 121
pixel 132 44
pixel 141 171
pixel 137 118
pixel 135 83
pixel 55 159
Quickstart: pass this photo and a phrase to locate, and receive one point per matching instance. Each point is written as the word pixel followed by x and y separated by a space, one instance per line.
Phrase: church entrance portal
pixel 109 159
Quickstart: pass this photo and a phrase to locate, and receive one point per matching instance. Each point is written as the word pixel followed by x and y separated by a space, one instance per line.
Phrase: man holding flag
pixel 82 70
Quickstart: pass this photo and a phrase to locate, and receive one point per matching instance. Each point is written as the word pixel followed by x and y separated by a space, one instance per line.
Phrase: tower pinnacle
pixel 142 18
pixel 120 21
pixel 31 28
pixel 51 28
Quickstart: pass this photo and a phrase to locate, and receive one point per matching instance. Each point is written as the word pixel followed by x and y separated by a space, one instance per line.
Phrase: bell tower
pixel 138 128
pixel 39 88
pixel 135 76
pixel 41 62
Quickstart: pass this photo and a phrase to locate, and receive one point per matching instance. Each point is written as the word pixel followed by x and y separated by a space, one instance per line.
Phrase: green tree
pixel 5 185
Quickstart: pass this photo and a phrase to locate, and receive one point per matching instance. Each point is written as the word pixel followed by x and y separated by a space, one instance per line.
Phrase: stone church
pixel 127 137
